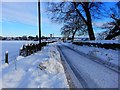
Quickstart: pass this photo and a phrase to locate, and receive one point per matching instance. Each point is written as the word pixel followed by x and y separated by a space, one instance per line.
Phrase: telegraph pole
pixel 39 23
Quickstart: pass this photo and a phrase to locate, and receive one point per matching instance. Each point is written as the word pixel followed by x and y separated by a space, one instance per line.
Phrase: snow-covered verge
pixel 40 70
pixel 104 54
pixel 101 41
pixel 104 41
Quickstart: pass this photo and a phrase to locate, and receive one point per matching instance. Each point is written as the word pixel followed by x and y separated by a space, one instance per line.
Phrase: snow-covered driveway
pixel 89 73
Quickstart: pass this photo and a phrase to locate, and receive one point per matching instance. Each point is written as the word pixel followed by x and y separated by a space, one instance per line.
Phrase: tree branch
pixel 80 13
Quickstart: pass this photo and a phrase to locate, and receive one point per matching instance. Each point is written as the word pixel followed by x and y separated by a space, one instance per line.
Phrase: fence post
pixel 6 57
pixel 20 53
pixel 26 49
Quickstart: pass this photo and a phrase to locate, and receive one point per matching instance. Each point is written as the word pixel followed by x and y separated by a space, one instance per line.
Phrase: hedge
pixel 32 48
pixel 99 45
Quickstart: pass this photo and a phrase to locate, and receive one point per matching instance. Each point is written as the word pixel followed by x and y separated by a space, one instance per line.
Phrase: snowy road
pixel 89 73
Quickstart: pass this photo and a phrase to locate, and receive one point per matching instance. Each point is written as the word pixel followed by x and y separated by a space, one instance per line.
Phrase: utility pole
pixel 39 23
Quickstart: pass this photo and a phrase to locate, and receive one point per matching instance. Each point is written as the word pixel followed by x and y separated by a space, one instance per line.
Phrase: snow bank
pixel 19 58
pixel 104 54
pixel 40 70
pixel 51 66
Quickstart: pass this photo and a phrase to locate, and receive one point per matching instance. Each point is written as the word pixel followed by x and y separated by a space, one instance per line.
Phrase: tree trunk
pixel 73 35
pixel 88 21
pixel 109 37
pixel 89 24
pixel 113 33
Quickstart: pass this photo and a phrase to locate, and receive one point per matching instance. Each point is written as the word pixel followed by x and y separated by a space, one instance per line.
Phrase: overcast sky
pixel 21 18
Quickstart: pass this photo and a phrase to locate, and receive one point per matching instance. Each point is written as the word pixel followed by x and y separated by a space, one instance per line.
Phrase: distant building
pixel 0 37
pixel 50 35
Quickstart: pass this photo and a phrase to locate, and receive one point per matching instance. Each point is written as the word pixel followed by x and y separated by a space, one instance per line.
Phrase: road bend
pixel 87 73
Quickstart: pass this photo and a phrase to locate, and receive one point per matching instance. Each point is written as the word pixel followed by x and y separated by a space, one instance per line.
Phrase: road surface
pixel 88 73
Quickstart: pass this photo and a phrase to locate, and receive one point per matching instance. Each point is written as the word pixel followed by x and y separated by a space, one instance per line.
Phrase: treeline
pixel 36 38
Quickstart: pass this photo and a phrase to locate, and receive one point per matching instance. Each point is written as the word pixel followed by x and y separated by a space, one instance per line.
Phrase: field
pixel 12 47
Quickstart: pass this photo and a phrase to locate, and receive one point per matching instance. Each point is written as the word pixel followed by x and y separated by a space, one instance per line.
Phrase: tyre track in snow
pixel 98 60
pixel 80 83
pixel 85 78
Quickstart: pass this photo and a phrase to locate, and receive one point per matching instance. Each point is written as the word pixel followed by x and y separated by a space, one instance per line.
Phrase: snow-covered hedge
pixel 99 45
pixel 32 48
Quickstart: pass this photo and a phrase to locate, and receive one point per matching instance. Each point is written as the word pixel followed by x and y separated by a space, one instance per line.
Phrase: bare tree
pixel 66 31
pixel 61 12
pixel 73 26
pixel 114 26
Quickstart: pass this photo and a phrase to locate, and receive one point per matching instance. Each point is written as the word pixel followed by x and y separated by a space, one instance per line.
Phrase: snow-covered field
pixel 104 54
pixel 40 70
pixel 12 47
